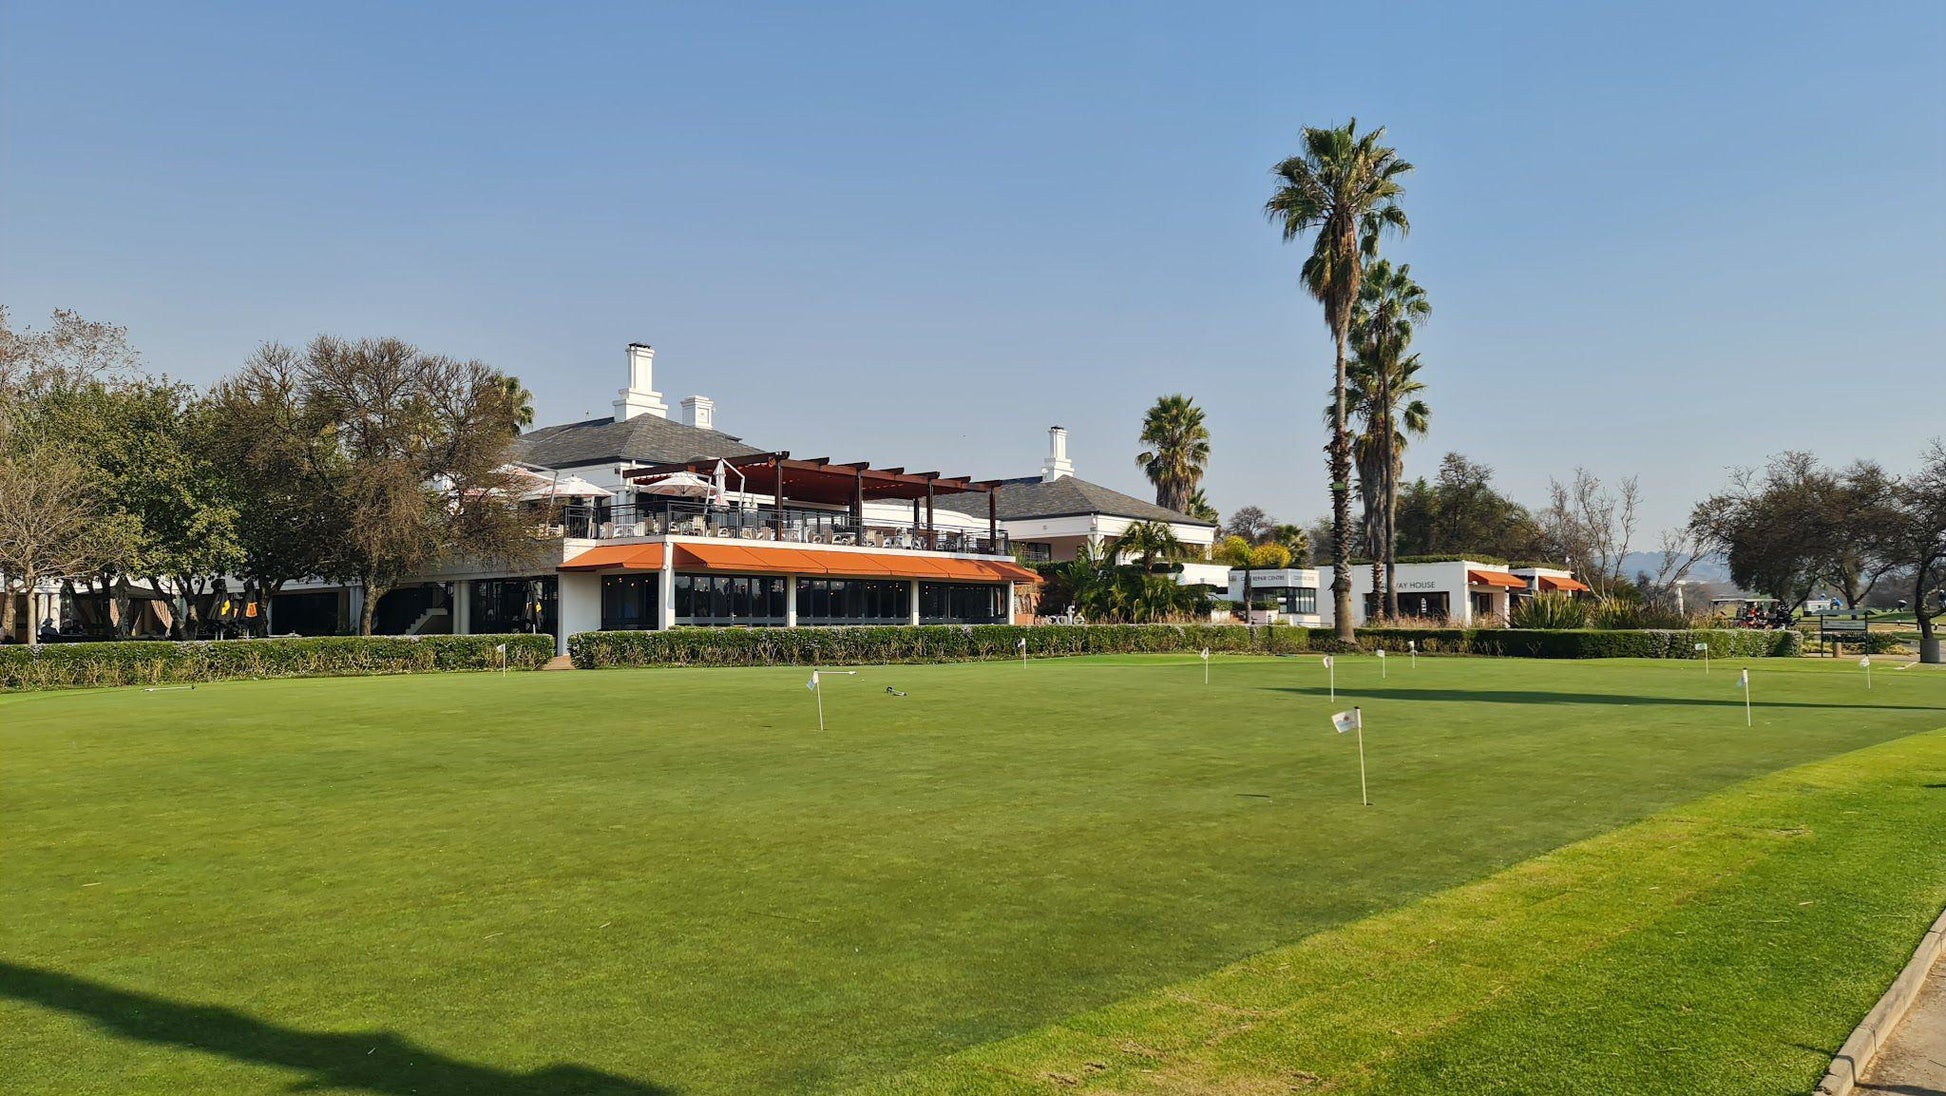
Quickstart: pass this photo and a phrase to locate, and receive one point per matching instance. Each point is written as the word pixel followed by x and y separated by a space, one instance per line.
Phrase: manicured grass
pixel 666 880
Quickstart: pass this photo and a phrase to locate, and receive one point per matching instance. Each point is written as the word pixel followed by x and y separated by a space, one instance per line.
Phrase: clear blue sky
pixel 1658 239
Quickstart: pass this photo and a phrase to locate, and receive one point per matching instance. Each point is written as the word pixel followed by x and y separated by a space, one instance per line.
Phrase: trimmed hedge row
pixel 139 662
pixel 948 643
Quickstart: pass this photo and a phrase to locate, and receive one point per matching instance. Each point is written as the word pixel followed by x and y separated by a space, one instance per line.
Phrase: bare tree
pixel 1591 526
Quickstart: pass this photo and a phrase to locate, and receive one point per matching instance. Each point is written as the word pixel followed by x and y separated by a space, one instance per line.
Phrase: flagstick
pixel 819 690
pixel 1363 795
pixel 1746 699
pixel 1868 675
pixel 1331 665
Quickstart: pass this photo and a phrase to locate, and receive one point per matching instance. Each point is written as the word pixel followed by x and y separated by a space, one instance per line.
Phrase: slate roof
pixel 649 439
pixel 1069 496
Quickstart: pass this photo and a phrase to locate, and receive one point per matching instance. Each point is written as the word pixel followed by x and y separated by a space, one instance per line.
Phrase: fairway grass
pixel 667 880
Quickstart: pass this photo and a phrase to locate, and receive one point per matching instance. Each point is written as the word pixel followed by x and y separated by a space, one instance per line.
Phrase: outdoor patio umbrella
pixel 568 487
pixel 682 484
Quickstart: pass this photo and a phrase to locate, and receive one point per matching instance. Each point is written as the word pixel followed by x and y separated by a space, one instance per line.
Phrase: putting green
pixel 642 881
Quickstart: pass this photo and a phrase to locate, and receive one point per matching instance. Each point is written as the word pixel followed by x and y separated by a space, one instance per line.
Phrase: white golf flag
pixel 1206 654
pixel 1702 647
pixel 1865 663
pixel 1346 721
pixel 1022 645
pixel 813 683
pixel 1381 652
pixel 1327 662
pixel 501 647
pixel 1743 680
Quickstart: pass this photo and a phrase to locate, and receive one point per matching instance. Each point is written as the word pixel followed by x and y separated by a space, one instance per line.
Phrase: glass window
pixel 515 605
pixel 628 602
pixel 957 603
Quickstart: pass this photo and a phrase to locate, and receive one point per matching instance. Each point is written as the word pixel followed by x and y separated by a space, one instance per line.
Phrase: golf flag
pixel 1022 644
pixel 1327 662
pixel 1346 722
pixel 813 683
pixel 1743 682
pixel 1381 662
pixel 1865 664
pixel 501 647
pixel 1412 652
pixel 1205 655
pixel 1331 674
pixel 1022 648
pixel 1705 648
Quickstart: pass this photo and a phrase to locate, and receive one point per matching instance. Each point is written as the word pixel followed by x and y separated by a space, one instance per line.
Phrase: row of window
pixel 515 605
pixel 1289 599
pixel 628 602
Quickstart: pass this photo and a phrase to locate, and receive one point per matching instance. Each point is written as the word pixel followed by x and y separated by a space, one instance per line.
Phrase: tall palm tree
pixel 1178 450
pixel 1346 187
pixel 1385 402
pixel 1390 307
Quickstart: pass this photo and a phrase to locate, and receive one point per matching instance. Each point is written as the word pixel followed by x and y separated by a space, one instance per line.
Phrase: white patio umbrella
pixel 567 487
pixel 681 484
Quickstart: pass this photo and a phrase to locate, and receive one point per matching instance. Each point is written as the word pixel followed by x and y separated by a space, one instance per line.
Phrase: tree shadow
pixel 1541 697
pixel 379 1062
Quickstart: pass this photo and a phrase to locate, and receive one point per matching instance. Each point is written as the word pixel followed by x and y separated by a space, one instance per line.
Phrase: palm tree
pixel 520 399
pixel 1346 187
pixel 1178 449
pixel 1147 541
pixel 1385 402
pixel 1390 306
pixel 1197 506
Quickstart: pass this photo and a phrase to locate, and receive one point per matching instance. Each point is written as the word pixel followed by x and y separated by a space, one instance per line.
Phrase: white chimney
pixel 1057 463
pixel 640 397
pixel 699 412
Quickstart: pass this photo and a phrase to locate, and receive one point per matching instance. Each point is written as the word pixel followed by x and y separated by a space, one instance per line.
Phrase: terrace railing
pixel 683 517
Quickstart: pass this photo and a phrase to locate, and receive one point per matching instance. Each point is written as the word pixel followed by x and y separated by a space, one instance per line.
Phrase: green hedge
pixel 946 643
pixel 137 662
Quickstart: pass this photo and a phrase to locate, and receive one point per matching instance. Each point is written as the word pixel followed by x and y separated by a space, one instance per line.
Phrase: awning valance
pixel 1494 578
pixel 751 559
pixel 626 557
pixel 1554 582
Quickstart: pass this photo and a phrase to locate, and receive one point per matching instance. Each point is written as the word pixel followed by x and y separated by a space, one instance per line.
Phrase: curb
pixel 1855 1057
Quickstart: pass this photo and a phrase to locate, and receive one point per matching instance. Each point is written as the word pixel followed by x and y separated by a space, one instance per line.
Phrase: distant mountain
pixel 1710 569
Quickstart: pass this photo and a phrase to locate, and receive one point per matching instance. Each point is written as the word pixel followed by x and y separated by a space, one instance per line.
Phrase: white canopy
pixel 685 484
pixel 567 487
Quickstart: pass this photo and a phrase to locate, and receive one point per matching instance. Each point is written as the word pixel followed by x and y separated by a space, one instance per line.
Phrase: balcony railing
pixel 605 521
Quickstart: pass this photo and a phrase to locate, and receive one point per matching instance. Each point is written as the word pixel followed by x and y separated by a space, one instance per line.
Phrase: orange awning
pixel 1494 578
pixel 627 557
pixel 774 560
pixel 1551 582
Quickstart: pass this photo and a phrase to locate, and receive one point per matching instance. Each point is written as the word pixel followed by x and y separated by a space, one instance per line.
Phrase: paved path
pixel 1913 1061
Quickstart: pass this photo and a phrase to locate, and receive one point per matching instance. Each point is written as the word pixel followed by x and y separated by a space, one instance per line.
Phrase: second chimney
pixel 699 412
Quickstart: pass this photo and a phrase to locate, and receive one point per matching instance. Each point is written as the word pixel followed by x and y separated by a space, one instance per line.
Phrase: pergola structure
pixel 822 481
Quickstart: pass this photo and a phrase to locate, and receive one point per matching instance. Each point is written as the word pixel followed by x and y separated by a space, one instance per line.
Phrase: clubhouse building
pixel 1463 593
pixel 651 522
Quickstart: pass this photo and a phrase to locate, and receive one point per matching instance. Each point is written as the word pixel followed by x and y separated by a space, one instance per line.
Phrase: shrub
pixel 1622 613
pixel 949 643
pixel 927 643
pixel 1550 612
pixel 136 662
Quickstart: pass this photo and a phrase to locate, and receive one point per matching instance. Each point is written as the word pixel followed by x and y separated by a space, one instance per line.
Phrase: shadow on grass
pixel 1543 697
pixel 378 1062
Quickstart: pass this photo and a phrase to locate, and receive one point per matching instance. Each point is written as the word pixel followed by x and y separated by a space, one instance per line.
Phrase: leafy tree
pixel 286 476
pixel 1178 450
pixel 1914 531
pixel 1460 511
pixel 1233 550
pixel 424 442
pixel 1270 557
pixel 1798 524
pixel 1346 188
